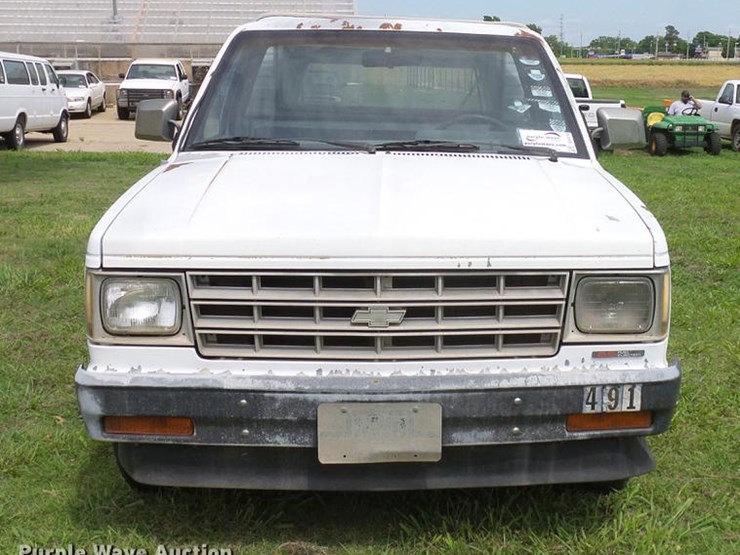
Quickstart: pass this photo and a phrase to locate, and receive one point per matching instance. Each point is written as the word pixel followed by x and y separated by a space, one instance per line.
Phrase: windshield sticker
pixel 530 61
pixel 560 142
pixel 536 75
pixel 519 106
pixel 558 124
pixel 542 92
pixel 549 106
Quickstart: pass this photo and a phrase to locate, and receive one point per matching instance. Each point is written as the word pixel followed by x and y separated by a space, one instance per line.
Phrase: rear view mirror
pixel 156 120
pixel 390 58
pixel 619 128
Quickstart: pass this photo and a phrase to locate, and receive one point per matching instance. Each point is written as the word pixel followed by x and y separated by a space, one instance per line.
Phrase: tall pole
pixel 729 35
pixel 561 35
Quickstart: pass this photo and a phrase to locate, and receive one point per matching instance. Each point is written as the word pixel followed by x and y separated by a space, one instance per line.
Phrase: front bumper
pixel 77 106
pixel 261 431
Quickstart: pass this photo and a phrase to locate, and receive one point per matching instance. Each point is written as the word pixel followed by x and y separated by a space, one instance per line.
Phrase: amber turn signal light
pixel 149 425
pixel 609 421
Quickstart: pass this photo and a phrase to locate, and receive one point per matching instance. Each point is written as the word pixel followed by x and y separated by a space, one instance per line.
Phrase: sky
pixel 581 20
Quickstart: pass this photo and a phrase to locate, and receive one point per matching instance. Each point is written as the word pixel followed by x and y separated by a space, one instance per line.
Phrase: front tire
pixel 178 117
pixel 658 144
pixel 736 137
pixel 88 110
pixel 123 113
pixel 102 106
pixel 714 144
pixel 61 131
pixel 16 138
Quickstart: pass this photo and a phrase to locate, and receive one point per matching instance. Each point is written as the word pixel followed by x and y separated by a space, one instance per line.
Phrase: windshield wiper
pixel 551 153
pixel 428 146
pixel 245 143
pixel 351 145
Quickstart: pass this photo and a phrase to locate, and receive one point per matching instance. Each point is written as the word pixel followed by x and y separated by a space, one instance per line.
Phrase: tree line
pixel 668 43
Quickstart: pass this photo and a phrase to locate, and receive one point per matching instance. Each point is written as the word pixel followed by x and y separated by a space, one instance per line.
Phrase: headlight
pixel 679 128
pixel 169 94
pixel 76 98
pixel 702 129
pixel 131 306
pixel 122 93
pixel 614 305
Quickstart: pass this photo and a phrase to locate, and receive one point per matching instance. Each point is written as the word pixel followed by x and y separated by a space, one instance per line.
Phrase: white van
pixel 31 99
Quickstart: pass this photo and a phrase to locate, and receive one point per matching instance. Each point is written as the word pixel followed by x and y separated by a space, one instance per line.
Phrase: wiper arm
pixel 245 143
pixel 351 145
pixel 551 153
pixel 428 146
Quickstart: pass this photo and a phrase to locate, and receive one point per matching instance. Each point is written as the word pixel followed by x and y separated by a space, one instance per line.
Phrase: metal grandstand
pixel 190 22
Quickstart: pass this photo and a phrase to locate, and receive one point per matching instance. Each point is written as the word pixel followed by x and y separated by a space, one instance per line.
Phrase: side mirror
pixel 619 128
pixel 121 75
pixel 156 120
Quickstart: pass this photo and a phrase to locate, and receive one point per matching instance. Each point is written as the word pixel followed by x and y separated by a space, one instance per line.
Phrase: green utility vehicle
pixel 679 131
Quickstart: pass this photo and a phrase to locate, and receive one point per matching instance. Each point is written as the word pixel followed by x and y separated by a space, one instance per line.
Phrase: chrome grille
pixel 137 95
pixel 442 315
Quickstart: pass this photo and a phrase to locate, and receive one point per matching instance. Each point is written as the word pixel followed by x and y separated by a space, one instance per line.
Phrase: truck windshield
pixel 151 71
pixel 337 89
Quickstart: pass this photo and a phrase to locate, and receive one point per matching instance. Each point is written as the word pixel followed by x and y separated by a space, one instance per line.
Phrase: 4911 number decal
pixel 612 398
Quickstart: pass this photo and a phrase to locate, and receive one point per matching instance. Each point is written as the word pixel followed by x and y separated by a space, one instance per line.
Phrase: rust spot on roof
pixel 299 26
pixel 315 26
pixel 391 26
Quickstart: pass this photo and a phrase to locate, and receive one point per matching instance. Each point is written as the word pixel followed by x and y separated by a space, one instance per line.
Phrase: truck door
pixel 721 112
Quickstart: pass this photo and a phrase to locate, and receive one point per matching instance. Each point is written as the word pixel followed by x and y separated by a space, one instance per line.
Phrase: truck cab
pixel 724 112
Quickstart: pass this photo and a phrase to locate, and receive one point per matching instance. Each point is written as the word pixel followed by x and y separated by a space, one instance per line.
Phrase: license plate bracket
pixel 358 433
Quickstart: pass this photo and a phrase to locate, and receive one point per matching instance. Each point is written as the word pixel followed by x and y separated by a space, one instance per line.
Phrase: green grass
pixel 59 487
pixel 650 96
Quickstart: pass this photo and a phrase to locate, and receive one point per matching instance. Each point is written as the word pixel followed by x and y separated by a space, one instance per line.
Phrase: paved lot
pixel 103 132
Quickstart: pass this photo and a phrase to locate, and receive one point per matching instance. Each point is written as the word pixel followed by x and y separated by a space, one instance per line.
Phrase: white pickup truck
pixel 581 89
pixel 725 112
pixel 149 78
pixel 382 255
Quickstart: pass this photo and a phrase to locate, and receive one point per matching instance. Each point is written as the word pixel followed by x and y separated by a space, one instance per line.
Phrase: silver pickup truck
pixel 382 255
pixel 725 112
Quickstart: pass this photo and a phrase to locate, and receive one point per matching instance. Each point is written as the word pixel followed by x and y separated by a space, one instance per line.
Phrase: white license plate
pixel 354 433
pixel 612 398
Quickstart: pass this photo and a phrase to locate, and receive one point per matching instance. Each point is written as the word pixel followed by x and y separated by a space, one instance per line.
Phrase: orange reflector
pixel 609 421
pixel 149 425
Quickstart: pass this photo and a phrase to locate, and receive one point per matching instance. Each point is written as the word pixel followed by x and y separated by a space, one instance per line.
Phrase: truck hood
pixel 256 207
pixel 148 84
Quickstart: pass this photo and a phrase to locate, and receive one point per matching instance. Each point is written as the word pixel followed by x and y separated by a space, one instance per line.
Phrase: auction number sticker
pixel 558 141
pixel 612 398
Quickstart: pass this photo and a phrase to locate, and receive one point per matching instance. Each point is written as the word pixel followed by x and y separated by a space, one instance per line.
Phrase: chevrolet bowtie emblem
pixel 378 316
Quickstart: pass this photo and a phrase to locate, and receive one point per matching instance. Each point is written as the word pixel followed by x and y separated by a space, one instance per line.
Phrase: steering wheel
pixel 690 111
pixel 493 123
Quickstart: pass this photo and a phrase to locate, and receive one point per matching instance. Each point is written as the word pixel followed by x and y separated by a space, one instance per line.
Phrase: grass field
pixel 637 74
pixel 57 487
pixel 645 83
